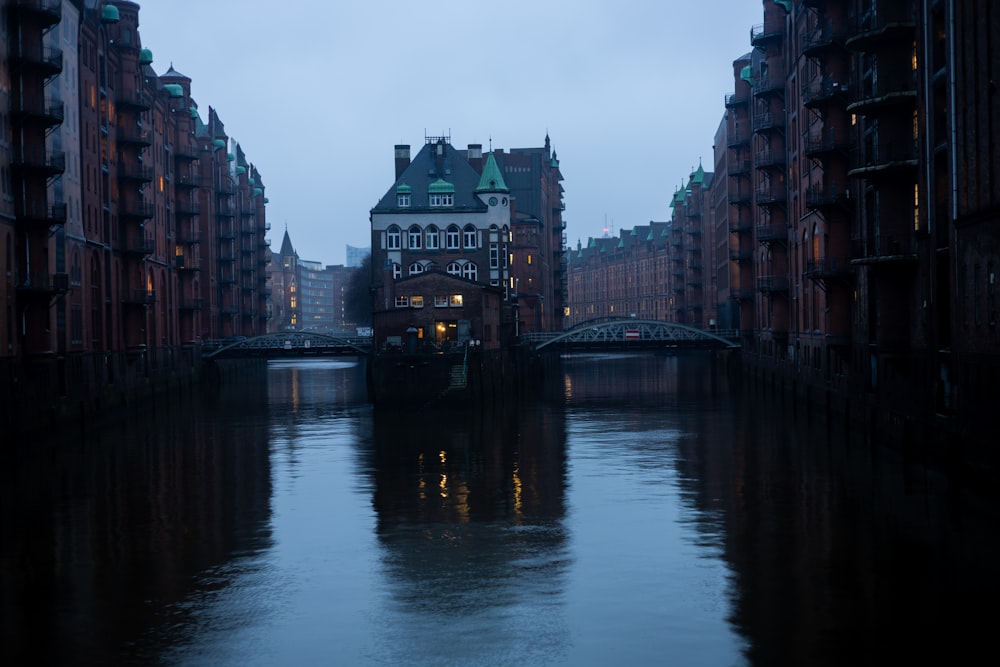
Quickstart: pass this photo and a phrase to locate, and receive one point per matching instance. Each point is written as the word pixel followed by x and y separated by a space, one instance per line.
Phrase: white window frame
pixel 440 300
pixel 455 301
pixel 414 237
pixel 416 268
pixel 470 237
pixel 416 301
pixel 455 269
pixel 402 302
pixel 470 271
pixel 453 237
pixel 397 271
pixel 433 238
pixel 403 201
pixel 393 238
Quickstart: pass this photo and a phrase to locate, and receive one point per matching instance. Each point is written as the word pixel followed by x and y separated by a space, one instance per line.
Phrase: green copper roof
pixel 266 200
pixel 174 89
pixel 219 143
pixel 699 175
pixel 193 112
pixel 747 74
pixel 258 191
pixel 240 169
pixel 491 179
pixel 679 196
pixel 441 186
pixel 784 4
pixel 145 57
pixel 109 14
pixel 403 189
pixel 230 157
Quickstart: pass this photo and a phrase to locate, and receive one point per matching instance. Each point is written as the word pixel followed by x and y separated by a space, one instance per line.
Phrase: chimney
pixel 476 157
pixel 402 158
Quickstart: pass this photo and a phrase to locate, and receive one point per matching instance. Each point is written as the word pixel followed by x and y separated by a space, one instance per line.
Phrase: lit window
pixel 431 241
pixel 529 259
pixel 392 238
pixel 416 302
pixel 402 301
pixel 415 236
pixel 455 301
pixel 469 237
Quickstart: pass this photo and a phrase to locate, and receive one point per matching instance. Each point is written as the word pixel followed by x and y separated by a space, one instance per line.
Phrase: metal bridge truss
pixel 290 344
pixel 631 334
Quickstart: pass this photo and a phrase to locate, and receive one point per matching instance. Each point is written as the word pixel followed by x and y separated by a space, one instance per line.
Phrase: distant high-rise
pixel 356 255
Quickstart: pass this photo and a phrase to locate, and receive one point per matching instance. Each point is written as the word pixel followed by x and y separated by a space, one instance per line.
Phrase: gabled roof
pixel 427 173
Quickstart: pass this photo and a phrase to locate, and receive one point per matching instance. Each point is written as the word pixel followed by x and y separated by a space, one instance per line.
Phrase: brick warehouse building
pixel 855 157
pixel 132 227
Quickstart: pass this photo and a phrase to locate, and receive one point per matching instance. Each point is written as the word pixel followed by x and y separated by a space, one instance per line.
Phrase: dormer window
pixel 403 194
pixel 440 194
pixel 442 200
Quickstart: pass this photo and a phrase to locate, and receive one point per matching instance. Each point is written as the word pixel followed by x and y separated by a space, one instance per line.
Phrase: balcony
pixel 887 92
pixel 826 143
pixel 46 62
pixel 823 38
pixel 187 207
pixel 883 249
pixel 43 164
pixel 39 215
pixel 132 171
pixel 47 12
pixel 139 246
pixel 737 140
pixel 133 136
pixel 736 100
pixel 763 34
pixel 768 85
pixel 884 23
pixel 766 121
pixel 43 285
pixel 185 264
pixel 828 269
pixel 139 297
pixel 821 196
pixel 187 181
pixel 772 233
pixel 771 284
pixel 41 114
pixel 885 159
pixel 188 236
pixel 138 210
pixel 135 100
pixel 770 159
pixel 225 209
pixel 186 150
pixel 743 224
pixel 823 92
pixel 741 197
pixel 739 166
pixel 769 197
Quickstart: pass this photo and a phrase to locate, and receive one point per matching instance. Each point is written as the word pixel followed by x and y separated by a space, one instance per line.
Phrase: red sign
pixel 631 334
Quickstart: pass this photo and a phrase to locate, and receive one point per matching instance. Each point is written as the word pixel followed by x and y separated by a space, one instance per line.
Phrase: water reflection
pixel 103 533
pixel 470 522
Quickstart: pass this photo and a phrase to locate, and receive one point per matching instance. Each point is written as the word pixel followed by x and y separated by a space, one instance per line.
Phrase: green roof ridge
pixel 440 186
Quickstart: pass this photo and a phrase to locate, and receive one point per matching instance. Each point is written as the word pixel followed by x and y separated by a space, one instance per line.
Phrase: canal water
pixel 641 511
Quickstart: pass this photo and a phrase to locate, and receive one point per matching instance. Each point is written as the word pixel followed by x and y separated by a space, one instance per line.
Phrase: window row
pixel 461 268
pixel 431 238
pixel 440 301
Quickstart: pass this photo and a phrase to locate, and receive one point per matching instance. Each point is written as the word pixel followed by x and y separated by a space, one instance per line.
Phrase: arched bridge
pixel 287 344
pixel 631 334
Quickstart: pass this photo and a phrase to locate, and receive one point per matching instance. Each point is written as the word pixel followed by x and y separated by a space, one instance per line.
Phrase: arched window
pixel 469 237
pixel 454 269
pixel 415 237
pixel 453 237
pixel 432 240
pixel 392 238
pixel 416 268
pixel 470 271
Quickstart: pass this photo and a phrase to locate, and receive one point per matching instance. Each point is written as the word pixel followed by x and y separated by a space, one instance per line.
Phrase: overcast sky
pixel 318 92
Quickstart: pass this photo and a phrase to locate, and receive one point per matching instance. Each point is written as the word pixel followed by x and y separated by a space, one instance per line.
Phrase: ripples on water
pixel 641 513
